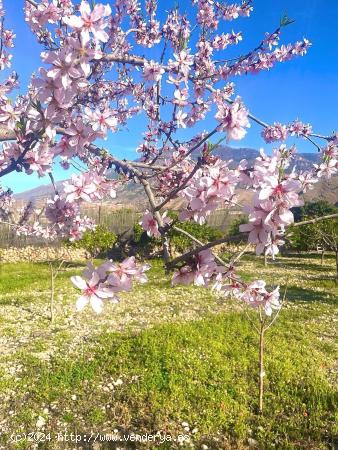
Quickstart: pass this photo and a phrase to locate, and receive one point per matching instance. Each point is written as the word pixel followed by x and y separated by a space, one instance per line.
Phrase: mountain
pixel 39 193
pixel 131 195
pixel 303 161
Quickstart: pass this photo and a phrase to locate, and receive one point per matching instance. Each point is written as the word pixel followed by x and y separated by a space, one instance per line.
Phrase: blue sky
pixel 305 88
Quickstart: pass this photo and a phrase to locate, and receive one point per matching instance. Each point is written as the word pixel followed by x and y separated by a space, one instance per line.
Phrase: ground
pixel 178 361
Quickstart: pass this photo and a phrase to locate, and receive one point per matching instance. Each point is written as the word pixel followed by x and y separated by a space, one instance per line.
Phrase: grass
pixel 178 361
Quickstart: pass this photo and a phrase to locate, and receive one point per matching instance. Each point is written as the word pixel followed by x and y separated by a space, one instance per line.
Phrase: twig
pixel 281 304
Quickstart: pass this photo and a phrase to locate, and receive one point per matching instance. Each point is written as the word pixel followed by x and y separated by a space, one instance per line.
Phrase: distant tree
pixel 96 242
pixel 322 234
pixel 179 241
pixel 235 224
pixel 182 242
pixel 313 209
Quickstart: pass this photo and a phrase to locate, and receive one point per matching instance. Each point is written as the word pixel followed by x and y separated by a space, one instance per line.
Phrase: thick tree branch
pixel 185 256
pixel 316 219
pixel 190 236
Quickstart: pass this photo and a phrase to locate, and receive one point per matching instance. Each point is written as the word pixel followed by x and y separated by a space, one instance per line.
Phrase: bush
pixel 203 233
pixel 142 243
pixel 146 245
pixel 234 226
pixel 96 242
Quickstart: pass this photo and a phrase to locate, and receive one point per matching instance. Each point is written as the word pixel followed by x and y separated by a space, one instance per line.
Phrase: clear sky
pixel 305 88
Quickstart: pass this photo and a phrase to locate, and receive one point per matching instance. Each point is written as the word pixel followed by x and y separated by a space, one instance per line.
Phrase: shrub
pixel 182 243
pixel 96 242
pixel 146 245
pixel 142 243
pixel 234 226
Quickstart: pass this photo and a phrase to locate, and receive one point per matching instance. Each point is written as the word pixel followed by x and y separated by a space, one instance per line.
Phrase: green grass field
pixel 179 361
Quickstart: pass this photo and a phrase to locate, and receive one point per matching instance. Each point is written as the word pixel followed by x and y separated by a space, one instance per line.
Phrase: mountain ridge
pixel 131 195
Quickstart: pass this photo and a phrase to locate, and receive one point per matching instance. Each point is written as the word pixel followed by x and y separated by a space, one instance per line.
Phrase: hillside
pixel 131 195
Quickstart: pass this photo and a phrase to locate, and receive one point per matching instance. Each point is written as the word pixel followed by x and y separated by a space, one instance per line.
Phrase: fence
pixel 116 220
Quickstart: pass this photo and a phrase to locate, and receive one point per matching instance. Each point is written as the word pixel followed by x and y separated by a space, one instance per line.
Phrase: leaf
pixel 285 20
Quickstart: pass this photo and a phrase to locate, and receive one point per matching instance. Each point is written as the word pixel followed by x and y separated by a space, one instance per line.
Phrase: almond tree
pixel 103 65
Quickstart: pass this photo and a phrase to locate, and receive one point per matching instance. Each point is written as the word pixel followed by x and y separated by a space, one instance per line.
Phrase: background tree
pixel 314 235
pixel 96 242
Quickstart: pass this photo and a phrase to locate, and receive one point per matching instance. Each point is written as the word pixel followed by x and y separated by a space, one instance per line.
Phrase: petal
pixel 94 279
pixel 81 302
pixel 84 8
pixel 73 21
pixel 97 304
pixel 79 282
pixel 104 292
pixel 101 35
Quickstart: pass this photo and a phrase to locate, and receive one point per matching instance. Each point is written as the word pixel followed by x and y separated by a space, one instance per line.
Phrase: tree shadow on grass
pixel 66 265
pixel 310 267
pixel 312 255
pixel 297 294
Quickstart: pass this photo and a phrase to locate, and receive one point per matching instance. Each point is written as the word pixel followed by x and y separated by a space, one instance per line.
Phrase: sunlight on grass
pixel 165 356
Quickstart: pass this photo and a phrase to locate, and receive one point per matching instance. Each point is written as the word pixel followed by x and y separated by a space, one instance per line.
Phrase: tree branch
pixel 32 2
pixel 187 255
pixel 316 219
pixel 190 236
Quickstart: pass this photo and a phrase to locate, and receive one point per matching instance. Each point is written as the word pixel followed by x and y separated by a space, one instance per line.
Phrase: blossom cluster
pixel 276 193
pixel 233 119
pixel 279 132
pixel 106 281
pixel 253 294
pixel 6 42
pixel 202 269
pixel 211 187
pixel 329 161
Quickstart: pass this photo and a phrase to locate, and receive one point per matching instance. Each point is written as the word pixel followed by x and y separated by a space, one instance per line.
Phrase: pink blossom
pixel 106 281
pixel 5 60
pixel 9 115
pixel 101 120
pixel 80 134
pixel 45 12
pixel 275 132
pixel 183 62
pixel 63 70
pixel 181 117
pixel 200 271
pixel 256 296
pixel 152 71
pixel 90 21
pixel 80 187
pixel 298 128
pixel 180 97
pixel 327 169
pixel 211 187
pixel 233 119
pixel 150 224
pixel 93 292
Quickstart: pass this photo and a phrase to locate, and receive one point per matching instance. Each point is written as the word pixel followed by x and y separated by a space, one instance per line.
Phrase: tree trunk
pixel 52 292
pixel 261 368
pixel 322 258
